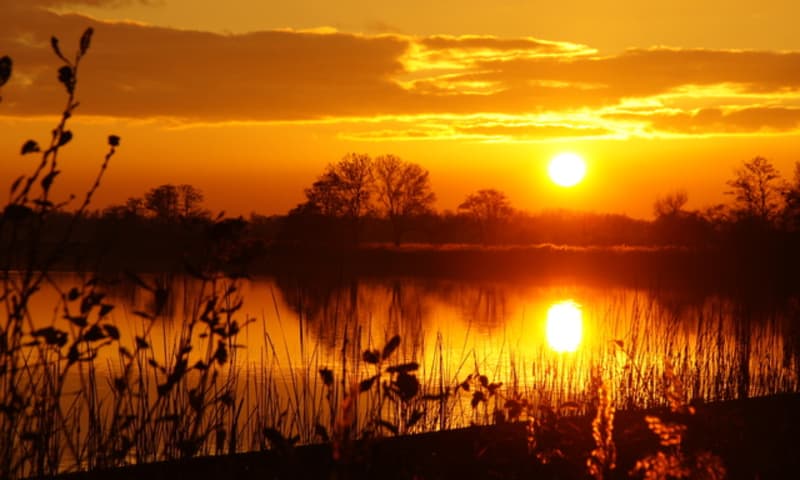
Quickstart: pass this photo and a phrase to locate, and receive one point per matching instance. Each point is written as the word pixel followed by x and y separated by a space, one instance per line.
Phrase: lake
pixel 548 341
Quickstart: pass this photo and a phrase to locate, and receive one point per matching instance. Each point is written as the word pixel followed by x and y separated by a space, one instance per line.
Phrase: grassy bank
pixel 755 438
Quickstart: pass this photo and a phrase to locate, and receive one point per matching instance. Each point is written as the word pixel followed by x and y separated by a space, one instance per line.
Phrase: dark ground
pixel 756 439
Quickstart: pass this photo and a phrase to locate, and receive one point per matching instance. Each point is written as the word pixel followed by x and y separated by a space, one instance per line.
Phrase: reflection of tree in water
pixel 483 304
pixel 406 312
pixel 180 297
pixel 320 303
pixel 336 311
pixel 679 302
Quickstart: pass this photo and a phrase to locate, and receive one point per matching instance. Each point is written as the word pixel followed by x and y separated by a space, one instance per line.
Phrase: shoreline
pixel 755 438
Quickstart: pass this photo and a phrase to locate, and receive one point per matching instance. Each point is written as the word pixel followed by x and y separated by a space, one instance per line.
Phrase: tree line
pixel 763 203
pixel 166 203
pixel 361 199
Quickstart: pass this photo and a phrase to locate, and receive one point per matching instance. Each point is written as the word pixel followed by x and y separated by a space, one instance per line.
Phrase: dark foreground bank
pixel 753 439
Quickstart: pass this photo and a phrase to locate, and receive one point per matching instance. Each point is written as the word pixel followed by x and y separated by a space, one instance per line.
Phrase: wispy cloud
pixel 540 89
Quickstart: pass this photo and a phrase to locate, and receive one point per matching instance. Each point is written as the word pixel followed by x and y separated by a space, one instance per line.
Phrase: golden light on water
pixel 564 326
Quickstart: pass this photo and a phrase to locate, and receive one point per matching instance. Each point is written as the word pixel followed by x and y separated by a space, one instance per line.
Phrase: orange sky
pixel 248 99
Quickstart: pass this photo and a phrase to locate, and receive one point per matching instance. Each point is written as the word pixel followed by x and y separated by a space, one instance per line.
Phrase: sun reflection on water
pixel 564 326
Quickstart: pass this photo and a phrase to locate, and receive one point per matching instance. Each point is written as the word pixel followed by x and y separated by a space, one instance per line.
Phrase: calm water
pixel 515 333
pixel 720 347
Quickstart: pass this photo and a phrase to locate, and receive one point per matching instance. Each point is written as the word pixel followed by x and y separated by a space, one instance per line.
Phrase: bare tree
pixel 163 202
pixel 190 200
pixel 343 191
pixel 134 206
pixel 403 189
pixel 487 207
pixel 671 204
pixel 792 200
pixel 757 190
pixel 170 202
pixel 353 177
pixel 323 198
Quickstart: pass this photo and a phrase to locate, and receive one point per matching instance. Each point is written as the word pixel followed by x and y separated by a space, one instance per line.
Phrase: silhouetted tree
pixel 671 204
pixel 323 198
pixel 170 202
pixel 190 200
pixel 163 202
pixel 342 191
pixel 404 191
pixel 757 190
pixel 135 206
pixel 792 201
pixel 352 176
pixel 674 224
pixel 487 208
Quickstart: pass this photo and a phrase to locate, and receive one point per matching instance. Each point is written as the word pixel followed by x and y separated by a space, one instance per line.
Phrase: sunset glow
pixel 564 326
pixel 480 90
pixel 567 169
pixel 452 215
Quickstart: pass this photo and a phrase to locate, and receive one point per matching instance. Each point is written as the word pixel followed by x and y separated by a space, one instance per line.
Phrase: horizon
pixel 249 104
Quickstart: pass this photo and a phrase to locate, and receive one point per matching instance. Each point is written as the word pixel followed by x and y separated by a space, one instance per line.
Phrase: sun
pixel 567 169
pixel 564 326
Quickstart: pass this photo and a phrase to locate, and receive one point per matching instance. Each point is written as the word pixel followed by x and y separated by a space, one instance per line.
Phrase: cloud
pixel 90 3
pixel 719 121
pixel 142 71
pixel 478 128
pixel 480 46
pixel 139 71
pixel 534 131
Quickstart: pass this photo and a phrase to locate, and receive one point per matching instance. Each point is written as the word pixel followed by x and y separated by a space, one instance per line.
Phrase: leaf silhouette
pixel 52 336
pixel 477 398
pixel 94 334
pixel 57 50
pixel 390 347
pixel 414 418
pixel 78 321
pixel 30 147
pixel 371 356
pixel 221 354
pixel 367 384
pixel 142 314
pixel 16 183
pixel 403 368
pixel 86 40
pixel 389 426
pixel 47 180
pixel 407 386
pixel 105 309
pixel 111 330
pixel 327 376
pixel 65 137
pixel 5 70
pixel 67 77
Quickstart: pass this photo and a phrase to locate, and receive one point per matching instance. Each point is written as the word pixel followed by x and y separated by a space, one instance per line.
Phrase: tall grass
pixel 209 378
